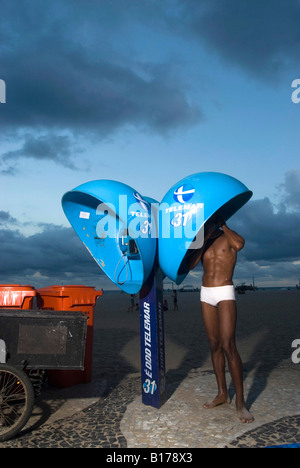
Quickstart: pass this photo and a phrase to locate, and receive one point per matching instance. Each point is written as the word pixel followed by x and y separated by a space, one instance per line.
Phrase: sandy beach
pixel 268 323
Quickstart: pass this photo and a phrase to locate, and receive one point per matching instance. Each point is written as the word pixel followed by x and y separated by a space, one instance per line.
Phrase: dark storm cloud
pixel 270 235
pixel 58 148
pixel 262 37
pixel 52 147
pixel 72 66
pixel 62 72
pixel 291 190
pixel 81 94
pixel 267 273
pixel 272 232
pixel 77 67
pixel 56 252
pixel 6 218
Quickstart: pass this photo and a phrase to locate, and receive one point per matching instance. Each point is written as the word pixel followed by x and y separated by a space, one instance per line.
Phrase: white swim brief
pixel 217 294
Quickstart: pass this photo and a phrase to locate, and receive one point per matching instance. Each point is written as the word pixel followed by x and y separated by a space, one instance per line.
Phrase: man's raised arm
pixel 235 241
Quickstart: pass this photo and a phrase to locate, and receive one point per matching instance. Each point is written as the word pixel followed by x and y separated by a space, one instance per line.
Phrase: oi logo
pixel 184 193
pixel 144 204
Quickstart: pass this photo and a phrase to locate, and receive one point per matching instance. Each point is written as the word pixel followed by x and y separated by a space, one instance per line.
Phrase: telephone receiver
pixel 128 245
pixel 129 251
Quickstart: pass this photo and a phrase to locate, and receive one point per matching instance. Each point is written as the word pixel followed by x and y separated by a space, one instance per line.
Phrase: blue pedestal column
pixel 152 341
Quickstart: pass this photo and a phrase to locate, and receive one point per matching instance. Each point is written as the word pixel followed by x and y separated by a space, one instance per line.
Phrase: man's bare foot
pixel 244 415
pixel 218 401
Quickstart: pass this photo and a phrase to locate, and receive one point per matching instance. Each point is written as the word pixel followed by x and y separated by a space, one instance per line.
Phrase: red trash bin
pixel 16 296
pixel 72 298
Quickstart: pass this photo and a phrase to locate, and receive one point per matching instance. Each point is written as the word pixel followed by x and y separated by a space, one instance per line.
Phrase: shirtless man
pixel 218 256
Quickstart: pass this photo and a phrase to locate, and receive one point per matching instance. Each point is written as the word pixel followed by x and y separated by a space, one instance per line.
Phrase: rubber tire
pixel 29 403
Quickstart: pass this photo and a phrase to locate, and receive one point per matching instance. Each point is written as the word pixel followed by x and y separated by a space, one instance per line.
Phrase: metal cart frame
pixel 31 342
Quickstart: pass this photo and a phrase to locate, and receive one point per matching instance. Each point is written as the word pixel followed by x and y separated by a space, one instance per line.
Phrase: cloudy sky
pixel 147 92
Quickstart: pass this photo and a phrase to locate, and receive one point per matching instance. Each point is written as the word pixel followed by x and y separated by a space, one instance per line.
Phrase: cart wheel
pixel 16 401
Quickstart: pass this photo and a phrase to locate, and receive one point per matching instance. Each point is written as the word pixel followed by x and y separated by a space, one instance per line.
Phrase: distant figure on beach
pixel 175 307
pixel 218 256
pixel 166 305
pixel 132 301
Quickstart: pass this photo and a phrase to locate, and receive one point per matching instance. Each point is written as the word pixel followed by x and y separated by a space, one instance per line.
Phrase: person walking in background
pixel 175 301
pixel 132 301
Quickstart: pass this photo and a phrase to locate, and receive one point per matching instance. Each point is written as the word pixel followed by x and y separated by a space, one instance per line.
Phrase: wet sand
pixel 268 322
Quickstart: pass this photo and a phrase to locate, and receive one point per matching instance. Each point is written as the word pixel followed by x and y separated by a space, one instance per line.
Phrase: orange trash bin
pixel 72 298
pixel 16 296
